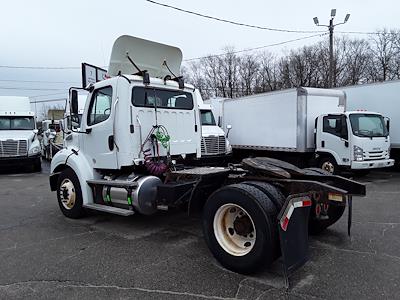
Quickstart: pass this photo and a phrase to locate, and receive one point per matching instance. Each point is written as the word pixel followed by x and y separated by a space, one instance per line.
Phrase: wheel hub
pixel 242 226
pixel 67 194
pixel 234 229
pixel 328 166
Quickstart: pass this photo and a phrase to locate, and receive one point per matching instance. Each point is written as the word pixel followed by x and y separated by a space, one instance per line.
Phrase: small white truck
pixel 19 144
pixel 52 138
pixel 306 126
pixel 383 97
pixel 129 155
pixel 214 143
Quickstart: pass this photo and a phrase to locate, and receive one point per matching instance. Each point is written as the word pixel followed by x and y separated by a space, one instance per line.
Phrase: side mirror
pixel 74 102
pixel 228 127
pixel 35 131
pixel 387 122
pixel 75 122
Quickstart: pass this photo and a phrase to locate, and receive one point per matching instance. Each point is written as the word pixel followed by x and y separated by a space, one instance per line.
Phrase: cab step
pixel 109 209
pixel 114 183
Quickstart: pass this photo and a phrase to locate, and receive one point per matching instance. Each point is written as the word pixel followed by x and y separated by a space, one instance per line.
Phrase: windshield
pixel 17 123
pixel 207 118
pixel 367 125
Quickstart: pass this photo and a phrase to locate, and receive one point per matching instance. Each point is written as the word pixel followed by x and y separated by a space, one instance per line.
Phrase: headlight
pixel 34 150
pixel 358 153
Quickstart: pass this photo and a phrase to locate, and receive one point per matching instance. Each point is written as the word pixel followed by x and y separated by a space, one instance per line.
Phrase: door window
pixel 100 106
pixel 334 125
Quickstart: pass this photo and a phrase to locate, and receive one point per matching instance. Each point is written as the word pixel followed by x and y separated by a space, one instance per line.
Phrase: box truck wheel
pixel 328 164
pixel 316 226
pixel 239 224
pixel 69 194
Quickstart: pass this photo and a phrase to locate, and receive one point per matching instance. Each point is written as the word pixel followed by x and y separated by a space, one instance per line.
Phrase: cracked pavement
pixel 44 255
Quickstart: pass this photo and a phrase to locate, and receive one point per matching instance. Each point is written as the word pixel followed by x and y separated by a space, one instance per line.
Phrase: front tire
pixel 240 228
pixel 329 164
pixel 69 194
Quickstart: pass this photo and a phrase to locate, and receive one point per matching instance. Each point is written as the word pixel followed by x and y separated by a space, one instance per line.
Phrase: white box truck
pixel 306 126
pixel 19 144
pixel 130 155
pixel 383 97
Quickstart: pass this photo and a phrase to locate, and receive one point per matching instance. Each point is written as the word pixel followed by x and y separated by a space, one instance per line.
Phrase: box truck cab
pixel 214 143
pixel 305 126
pixel 19 144
pixel 358 140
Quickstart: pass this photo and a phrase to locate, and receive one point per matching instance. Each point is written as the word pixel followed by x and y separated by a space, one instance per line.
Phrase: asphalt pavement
pixel 44 255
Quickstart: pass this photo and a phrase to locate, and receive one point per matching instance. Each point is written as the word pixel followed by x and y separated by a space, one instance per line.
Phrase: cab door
pixel 98 124
pixel 332 137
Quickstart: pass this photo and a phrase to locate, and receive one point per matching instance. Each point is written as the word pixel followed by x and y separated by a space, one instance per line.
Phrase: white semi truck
pixel 306 126
pixel 383 97
pixel 129 155
pixel 214 143
pixel 19 144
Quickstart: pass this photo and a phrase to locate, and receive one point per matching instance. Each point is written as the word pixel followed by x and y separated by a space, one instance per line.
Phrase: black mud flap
pixel 293 233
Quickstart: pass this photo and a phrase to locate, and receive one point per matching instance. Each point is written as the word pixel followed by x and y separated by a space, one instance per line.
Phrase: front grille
pixel 12 148
pixel 212 145
pixel 374 155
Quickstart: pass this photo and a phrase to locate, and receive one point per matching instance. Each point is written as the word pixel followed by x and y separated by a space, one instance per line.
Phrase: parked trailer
pixel 306 126
pixel 383 97
pixel 19 144
pixel 129 157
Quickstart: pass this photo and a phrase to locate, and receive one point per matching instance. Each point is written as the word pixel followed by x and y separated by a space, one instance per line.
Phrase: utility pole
pixel 331 27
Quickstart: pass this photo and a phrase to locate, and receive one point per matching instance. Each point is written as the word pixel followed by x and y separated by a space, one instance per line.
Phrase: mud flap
pixel 350 212
pixel 293 233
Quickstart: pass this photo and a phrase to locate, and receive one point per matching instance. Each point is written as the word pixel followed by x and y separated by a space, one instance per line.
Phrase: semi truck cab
pixel 19 144
pixel 357 140
pixel 214 143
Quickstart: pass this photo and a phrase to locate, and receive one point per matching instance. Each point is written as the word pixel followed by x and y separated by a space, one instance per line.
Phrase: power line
pixel 258 48
pixel 50 100
pixel 46 95
pixel 28 89
pixel 38 67
pixel 38 81
pixel 229 21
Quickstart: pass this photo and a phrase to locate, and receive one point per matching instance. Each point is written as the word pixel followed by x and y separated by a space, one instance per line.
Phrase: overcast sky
pixel 65 33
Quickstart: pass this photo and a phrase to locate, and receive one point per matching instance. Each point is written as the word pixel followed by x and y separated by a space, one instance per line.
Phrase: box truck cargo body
pixel 306 126
pixel 383 97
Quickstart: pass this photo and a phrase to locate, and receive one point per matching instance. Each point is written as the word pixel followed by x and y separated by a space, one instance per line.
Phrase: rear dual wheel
pixel 240 227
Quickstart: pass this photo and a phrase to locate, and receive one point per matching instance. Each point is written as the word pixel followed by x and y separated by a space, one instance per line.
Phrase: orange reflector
pixel 335 197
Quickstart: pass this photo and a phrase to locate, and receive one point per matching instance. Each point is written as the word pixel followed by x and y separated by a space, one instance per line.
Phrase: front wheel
pixel 240 228
pixel 329 164
pixel 69 194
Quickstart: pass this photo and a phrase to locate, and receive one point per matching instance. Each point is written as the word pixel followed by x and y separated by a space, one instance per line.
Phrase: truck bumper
pixel 19 160
pixel 372 164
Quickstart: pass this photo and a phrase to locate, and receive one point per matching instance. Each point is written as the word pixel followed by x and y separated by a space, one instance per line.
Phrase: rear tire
pixel 69 194
pixel 240 246
pixel 316 226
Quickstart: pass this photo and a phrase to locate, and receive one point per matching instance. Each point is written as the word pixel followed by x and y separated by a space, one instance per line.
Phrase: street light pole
pixel 331 27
